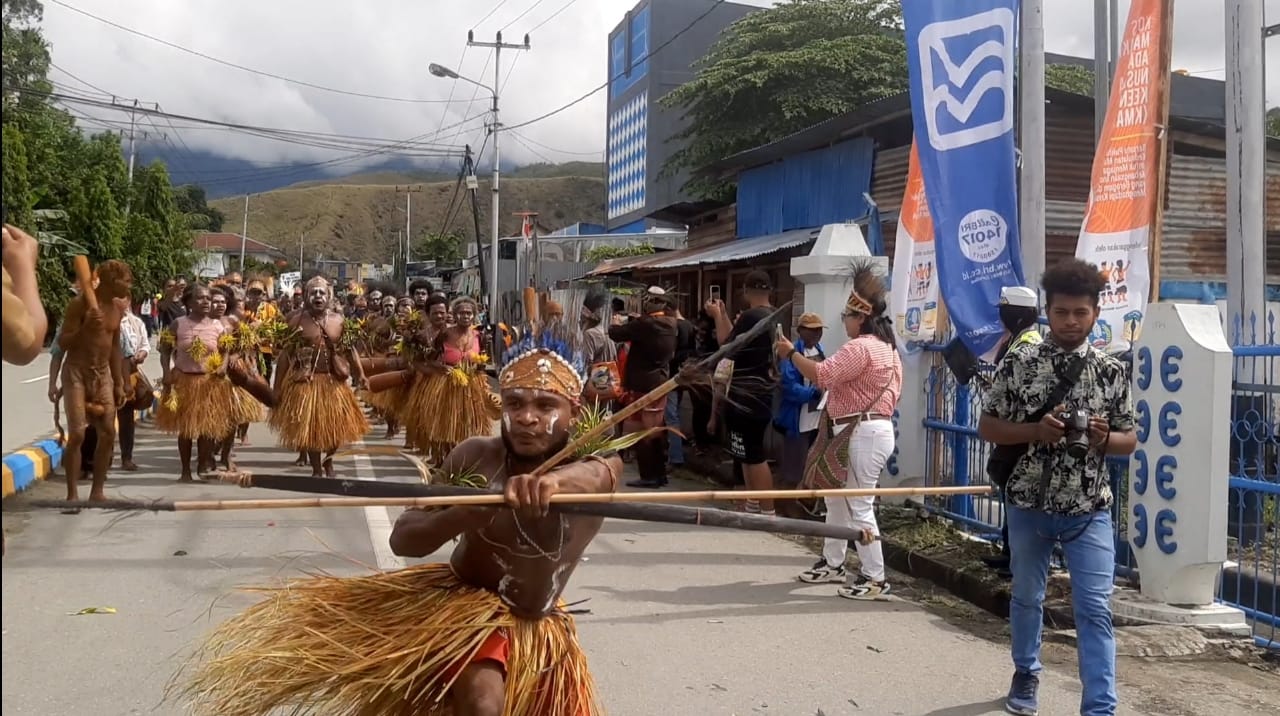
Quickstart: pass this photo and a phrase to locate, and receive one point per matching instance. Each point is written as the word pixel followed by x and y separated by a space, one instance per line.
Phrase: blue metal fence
pixel 955 456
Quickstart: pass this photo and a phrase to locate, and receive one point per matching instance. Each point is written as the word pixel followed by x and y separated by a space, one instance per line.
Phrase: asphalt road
pixel 28 414
pixel 683 620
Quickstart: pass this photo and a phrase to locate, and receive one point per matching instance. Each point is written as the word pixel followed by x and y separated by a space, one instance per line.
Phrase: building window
pixel 618 56
pixel 628 53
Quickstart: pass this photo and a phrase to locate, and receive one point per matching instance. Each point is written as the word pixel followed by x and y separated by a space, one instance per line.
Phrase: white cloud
pixel 384 48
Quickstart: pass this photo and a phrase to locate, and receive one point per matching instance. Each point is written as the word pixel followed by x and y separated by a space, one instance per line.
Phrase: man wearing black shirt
pixel 172 308
pixel 750 404
pixel 652 339
pixel 685 350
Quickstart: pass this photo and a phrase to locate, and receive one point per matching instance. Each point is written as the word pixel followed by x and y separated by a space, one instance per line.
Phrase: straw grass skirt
pixel 388 402
pixel 385 644
pixel 320 414
pixel 197 405
pixel 247 409
pixel 444 409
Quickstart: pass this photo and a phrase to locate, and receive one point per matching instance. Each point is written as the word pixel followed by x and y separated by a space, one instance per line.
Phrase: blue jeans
pixel 1089 544
pixel 675 443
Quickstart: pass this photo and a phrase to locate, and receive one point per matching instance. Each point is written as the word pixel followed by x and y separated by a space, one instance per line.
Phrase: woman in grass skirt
pixel 197 402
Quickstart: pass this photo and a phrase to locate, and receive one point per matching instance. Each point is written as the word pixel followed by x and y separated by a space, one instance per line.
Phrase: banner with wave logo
pixel 961 60
pixel 914 298
pixel 1116 235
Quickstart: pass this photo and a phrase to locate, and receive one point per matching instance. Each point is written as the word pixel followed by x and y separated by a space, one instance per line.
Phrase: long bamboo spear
pixel 497 500
pixel 658 393
pixel 638 512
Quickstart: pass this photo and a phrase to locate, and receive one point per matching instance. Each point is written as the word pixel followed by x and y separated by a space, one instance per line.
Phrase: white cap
pixel 1020 296
pixel 657 291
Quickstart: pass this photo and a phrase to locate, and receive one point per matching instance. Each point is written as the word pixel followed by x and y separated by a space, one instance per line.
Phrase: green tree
pixel 94 221
pixel 17 185
pixel 25 55
pixel 777 71
pixel 101 155
pixel 1273 122
pixel 441 248
pixel 192 202
pixel 1069 78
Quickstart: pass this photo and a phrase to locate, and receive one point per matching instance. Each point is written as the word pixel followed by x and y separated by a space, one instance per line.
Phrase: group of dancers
pixel 417 364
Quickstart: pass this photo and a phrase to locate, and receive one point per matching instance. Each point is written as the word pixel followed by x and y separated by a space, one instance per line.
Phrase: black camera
pixel 1075 426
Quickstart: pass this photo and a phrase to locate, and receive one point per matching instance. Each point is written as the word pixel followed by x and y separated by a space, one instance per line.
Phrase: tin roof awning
pixel 630 263
pixel 725 252
pixel 737 250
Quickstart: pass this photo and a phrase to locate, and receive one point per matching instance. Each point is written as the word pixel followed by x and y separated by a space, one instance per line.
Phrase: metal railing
pixel 955 456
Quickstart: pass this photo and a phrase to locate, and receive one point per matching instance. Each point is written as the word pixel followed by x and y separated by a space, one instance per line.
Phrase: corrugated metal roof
pixel 1195 227
pixel 736 250
pixel 628 263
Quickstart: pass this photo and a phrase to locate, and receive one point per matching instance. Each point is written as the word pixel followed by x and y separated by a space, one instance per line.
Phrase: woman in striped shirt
pixel 863 381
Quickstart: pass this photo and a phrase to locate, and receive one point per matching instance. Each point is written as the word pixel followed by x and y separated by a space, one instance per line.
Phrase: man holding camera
pixel 1062 407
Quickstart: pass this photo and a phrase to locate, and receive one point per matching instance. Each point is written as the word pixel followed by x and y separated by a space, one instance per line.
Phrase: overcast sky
pixel 384 47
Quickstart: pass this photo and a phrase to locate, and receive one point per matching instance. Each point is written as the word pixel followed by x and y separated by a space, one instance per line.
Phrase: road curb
pixel 37 461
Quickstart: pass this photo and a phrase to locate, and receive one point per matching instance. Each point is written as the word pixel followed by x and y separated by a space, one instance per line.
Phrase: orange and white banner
pixel 914 296
pixel 1118 220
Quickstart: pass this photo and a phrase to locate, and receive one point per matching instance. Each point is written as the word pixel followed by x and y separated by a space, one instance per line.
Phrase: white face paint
pixel 551 424
pixel 506 421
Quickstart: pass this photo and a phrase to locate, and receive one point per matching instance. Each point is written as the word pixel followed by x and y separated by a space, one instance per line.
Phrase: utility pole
pixel 244 233
pixel 469 173
pixel 1031 190
pixel 497 46
pixel 302 238
pixel 409 191
pixel 1246 133
pixel 1101 64
pixel 133 144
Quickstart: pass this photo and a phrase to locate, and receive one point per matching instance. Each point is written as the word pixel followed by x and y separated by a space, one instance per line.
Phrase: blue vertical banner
pixel 960 55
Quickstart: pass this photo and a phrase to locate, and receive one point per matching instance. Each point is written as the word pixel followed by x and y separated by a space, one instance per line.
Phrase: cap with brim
pixel 1018 296
pixel 810 320
pixel 758 281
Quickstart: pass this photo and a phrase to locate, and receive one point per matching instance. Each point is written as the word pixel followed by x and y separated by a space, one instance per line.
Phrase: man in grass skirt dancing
pixel 483 635
pixel 316 410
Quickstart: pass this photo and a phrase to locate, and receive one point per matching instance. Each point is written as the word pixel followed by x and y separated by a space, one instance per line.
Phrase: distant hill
pixel 356 218
pixel 223 176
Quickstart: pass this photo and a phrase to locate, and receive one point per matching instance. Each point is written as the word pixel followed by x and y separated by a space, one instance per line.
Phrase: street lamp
pixel 445 72
pixel 442 71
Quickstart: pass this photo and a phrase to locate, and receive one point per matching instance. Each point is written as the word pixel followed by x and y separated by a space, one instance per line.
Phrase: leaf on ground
pixel 93 610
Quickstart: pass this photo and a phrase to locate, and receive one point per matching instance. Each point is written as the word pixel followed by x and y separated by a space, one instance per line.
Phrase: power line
pixel 516 19
pixel 596 153
pixel 303 137
pixel 646 56
pixel 491 12
pixel 90 85
pixel 536 153
pixel 553 16
pixel 240 67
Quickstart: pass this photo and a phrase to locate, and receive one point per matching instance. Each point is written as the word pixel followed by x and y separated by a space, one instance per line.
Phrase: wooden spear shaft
pixel 656 394
pixel 494 499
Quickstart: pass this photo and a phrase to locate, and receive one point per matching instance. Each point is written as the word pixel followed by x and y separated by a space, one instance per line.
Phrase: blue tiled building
pixel 643 67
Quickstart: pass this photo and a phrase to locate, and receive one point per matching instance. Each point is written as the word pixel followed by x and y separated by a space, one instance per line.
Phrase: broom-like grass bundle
pixel 385 643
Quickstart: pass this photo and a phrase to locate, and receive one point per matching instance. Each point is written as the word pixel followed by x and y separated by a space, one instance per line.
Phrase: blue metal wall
pixel 822 186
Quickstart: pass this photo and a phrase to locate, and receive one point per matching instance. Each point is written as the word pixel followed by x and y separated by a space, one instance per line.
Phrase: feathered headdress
pixel 549 359
pixel 867 296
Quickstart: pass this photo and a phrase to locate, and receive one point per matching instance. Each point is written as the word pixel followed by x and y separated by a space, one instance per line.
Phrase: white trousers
pixel 869 449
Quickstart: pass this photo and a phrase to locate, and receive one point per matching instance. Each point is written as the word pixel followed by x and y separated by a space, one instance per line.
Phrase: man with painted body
pixel 317 410
pixel 93 377
pixel 526 554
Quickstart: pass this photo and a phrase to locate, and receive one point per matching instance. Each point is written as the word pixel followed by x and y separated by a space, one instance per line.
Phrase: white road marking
pixel 378 519
pixel 36 379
